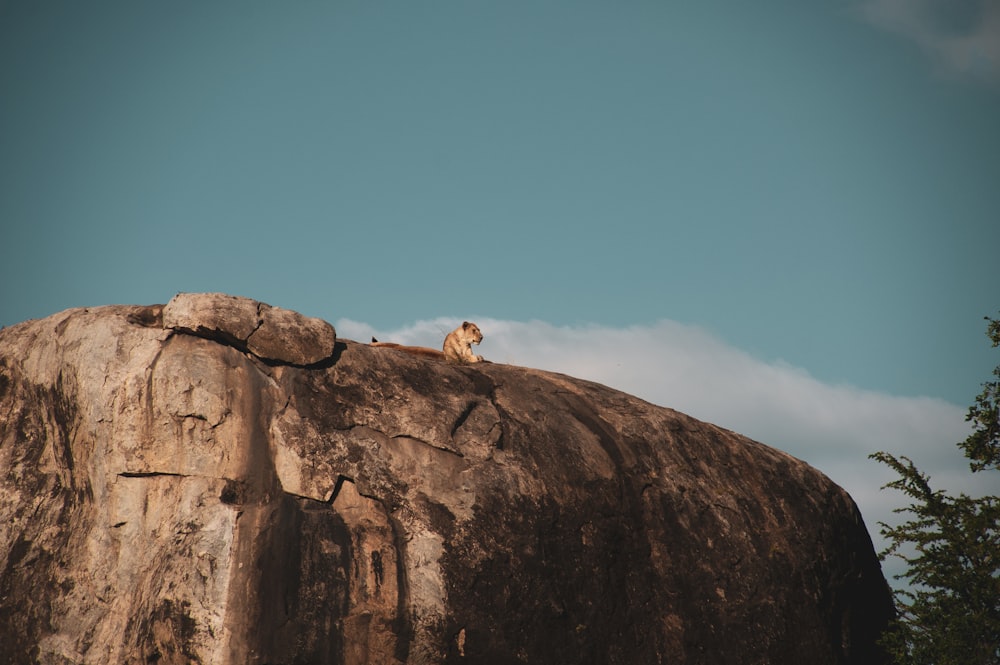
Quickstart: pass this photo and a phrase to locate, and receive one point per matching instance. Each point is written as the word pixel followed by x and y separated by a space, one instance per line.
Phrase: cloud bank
pixel 832 427
pixel 962 36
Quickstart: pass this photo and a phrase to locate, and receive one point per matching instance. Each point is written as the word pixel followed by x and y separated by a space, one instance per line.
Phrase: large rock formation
pixel 220 481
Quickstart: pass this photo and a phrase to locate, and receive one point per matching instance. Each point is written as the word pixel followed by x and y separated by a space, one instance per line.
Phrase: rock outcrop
pixel 220 481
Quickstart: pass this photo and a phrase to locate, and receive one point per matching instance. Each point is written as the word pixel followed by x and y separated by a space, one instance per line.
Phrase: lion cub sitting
pixel 458 344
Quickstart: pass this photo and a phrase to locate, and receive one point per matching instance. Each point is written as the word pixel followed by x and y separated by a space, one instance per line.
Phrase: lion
pixel 457 346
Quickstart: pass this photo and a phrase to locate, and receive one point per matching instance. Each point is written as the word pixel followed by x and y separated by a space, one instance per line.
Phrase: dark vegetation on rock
pixel 220 481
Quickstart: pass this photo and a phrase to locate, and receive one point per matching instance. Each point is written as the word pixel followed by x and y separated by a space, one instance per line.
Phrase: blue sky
pixel 811 190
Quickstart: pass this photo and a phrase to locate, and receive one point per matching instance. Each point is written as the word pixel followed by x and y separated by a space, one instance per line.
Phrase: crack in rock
pixel 150 474
pixel 426 443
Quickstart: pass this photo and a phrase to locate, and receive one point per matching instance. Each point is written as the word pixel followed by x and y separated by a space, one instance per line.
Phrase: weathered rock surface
pixel 270 333
pixel 170 494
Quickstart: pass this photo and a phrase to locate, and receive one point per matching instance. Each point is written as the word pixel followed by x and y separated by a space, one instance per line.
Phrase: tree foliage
pixel 949 614
pixel 983 446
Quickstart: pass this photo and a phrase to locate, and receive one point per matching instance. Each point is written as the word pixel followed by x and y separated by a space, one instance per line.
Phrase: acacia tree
pixel 950 613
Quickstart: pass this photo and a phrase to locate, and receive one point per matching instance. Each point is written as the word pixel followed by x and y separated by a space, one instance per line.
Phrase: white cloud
pixel 962 36
pixel 832 427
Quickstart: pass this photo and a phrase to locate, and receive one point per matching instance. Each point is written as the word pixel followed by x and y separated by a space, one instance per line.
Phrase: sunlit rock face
pixel 221 481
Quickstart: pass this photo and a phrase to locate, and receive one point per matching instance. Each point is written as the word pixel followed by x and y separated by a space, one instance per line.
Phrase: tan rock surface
pixel 168 496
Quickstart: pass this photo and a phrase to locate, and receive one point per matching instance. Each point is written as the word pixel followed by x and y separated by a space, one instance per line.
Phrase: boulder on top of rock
pixel 270 333
pixel 289 337
pixel 224 318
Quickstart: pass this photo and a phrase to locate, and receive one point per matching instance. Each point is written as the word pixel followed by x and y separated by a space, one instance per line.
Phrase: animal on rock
pixel 421 351
pixel 458 344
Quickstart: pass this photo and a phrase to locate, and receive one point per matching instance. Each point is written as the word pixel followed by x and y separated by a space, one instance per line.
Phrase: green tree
pixel 949 614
